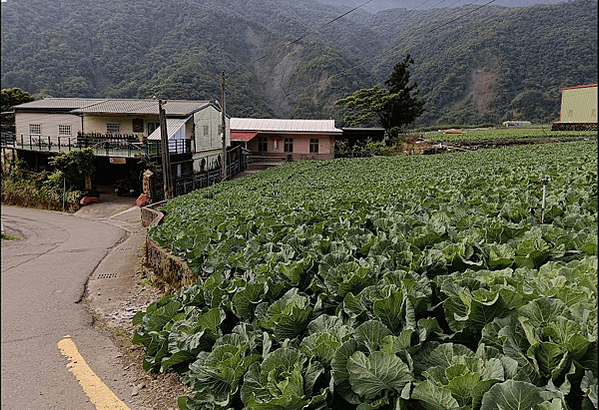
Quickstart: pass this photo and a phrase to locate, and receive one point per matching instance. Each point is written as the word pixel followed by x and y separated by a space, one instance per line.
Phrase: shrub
pixel 38 190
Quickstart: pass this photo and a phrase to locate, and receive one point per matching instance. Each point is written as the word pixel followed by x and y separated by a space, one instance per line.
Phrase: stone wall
pixel 574 126
pixel 150 216
pixel 168 271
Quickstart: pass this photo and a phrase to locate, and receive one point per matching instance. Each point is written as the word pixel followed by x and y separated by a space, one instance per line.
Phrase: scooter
pixel 126 188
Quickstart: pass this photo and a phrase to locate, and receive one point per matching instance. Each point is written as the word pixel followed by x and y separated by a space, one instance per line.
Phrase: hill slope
pixel 472 64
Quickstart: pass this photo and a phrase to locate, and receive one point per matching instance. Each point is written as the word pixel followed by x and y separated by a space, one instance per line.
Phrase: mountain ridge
pixel 472 65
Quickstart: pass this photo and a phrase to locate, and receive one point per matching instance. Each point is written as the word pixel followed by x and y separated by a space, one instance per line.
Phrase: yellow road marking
pixel 99 394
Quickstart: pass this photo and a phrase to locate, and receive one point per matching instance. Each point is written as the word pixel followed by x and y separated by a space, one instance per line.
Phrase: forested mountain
pixel 472 64
pixel 379 5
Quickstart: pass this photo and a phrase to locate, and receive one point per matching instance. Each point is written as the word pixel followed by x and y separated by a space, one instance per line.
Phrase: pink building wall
pixel 301 146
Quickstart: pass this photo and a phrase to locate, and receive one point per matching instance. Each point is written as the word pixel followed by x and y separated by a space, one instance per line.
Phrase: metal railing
pixel 212 175
pixel 102 146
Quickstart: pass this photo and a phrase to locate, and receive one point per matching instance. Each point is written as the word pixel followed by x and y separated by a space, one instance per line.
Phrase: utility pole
pixel 166 160
pixel 223 126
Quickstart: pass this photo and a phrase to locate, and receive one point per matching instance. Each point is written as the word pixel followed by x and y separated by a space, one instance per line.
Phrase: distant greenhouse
pixel 579 109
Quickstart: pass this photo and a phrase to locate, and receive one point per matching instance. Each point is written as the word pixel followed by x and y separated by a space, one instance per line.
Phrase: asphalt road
pixel 43 278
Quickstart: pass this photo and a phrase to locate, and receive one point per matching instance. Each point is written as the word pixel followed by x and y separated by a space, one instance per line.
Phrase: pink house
pixel 280 139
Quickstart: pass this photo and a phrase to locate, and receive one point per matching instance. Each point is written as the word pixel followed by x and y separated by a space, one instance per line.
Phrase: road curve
pixel 43 278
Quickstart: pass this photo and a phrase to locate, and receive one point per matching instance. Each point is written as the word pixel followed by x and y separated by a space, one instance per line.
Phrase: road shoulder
pixel 118 289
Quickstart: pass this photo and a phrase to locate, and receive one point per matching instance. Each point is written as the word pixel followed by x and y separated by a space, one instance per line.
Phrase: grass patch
pixel 9 237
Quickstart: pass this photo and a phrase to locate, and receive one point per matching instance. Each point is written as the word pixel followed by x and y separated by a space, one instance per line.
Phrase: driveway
pixel 110 204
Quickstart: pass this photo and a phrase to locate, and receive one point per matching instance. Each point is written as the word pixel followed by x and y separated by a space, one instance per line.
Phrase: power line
pixel 453 20
pixel 416 37
pixel 327 23
pixel 361 64
pixel 309 32
pixel 459 17
pixel 457 9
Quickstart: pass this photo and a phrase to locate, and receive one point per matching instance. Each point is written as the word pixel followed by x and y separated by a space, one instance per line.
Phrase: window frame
pixel 115 125
pixel 62 130
pixel 37 126
pixel 314 145
pixel 288 145
pixel 153 125
pixel 262 144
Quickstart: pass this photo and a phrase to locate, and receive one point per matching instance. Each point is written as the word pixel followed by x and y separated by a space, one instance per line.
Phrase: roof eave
pixel 290 132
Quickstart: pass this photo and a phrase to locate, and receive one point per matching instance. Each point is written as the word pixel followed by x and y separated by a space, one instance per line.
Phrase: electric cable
pixel 308 33
pixel 416 37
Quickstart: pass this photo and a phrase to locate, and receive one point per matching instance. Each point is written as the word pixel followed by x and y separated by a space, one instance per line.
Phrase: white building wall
pixel 49 124
pixel 208 139
pixel 97 123
pixel 579 104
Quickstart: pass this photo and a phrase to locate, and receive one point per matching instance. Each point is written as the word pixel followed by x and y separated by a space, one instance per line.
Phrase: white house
pixel 57 121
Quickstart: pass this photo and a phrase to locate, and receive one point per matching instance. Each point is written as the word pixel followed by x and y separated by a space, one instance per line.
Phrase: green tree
pixel 535 106
pixel 405 106
pixel 392 108
pixel 75 165
pixel 9 98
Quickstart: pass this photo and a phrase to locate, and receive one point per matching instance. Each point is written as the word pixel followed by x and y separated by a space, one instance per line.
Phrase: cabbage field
pixel 507 134
pixel 410 282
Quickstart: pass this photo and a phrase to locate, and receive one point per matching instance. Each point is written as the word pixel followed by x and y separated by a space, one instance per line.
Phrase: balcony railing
pixel 102 146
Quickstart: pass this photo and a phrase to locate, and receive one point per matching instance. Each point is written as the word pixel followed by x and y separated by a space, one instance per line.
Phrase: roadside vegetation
pixel 38 190
pixel 404 282
pixel 60 190
pixel 9 237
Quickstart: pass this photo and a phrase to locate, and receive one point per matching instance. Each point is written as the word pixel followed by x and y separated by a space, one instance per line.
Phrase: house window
pixel 112 128
pixel 288 147
pixel 152 126
pixel 206 130
pixel 64 130
pixel 35 129
pixel 314 145
pixel 262 144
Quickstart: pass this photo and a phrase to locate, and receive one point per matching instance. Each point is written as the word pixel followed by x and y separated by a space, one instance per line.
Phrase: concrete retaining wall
pixel 169 271
pixel 150 216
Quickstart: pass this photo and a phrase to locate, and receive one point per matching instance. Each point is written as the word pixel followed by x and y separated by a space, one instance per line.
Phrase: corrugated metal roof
pixel 175 107
pixel 287 126
pixel 172 126
pixel 115 106
pixel 243 135
pixel 60 103
pixel 121 107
